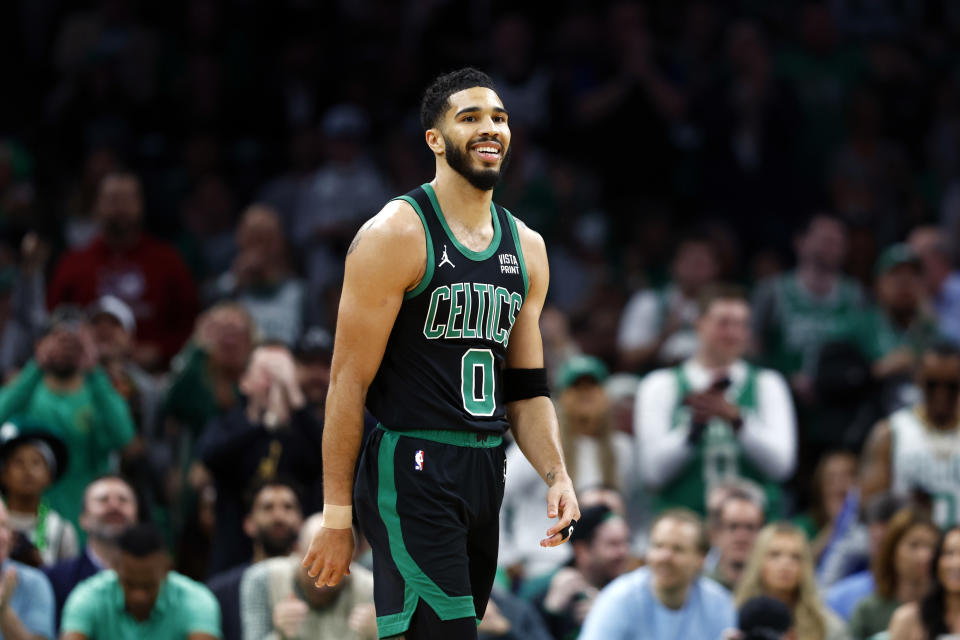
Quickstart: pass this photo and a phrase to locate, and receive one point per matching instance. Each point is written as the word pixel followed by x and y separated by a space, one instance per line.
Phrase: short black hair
pixel 141 540
pixel 590 520
pixel 944 348
pixel 436 98
pixel 258 485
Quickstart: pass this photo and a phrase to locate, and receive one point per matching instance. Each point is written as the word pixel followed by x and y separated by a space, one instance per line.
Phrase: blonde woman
pixel 781 567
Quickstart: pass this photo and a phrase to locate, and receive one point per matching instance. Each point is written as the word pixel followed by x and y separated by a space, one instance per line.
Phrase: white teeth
pixel 487 150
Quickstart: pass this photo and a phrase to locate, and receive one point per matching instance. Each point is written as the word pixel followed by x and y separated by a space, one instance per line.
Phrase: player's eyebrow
pixel 475 108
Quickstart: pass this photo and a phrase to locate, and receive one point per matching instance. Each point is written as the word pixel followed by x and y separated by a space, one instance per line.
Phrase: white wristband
pixel 337 516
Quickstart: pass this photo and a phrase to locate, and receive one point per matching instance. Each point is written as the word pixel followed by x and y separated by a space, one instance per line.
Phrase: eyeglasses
pixel 950 385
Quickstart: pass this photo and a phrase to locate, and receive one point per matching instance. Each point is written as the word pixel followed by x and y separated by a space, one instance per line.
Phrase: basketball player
pixel 917 449
pixel 438 332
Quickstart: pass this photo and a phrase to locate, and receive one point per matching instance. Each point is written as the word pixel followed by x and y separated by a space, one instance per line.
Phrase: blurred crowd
pixel 752 214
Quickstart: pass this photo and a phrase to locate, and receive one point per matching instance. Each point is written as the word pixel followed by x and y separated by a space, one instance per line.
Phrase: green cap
pixel 894 256
pixel 581 367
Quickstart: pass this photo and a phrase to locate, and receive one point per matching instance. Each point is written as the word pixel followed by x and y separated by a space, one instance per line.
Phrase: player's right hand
pixel 329 556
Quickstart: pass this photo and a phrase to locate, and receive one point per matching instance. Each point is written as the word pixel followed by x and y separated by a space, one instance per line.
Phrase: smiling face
pixel 473 136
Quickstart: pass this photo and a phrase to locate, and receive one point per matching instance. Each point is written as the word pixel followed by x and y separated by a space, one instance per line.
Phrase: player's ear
pixel 435 141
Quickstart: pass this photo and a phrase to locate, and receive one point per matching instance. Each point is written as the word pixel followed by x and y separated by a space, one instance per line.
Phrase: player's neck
pixel 460 200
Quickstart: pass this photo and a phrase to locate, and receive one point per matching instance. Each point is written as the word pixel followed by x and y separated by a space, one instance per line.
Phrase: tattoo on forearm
pixel 551 478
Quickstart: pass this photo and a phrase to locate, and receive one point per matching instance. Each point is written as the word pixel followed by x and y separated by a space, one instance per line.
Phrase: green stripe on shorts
pixel 418 584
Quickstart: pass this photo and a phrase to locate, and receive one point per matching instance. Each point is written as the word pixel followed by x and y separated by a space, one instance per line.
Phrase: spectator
pixel 934 616
pixel 844 594
pixel 272 433
pixel 601 546
pixel 26 600
pixel 914 448
pixel 273 522
pixel 65 390
pixel 715 417
pixel 901 570
pixel 596 455
pixel 109 508
pixel 781 567
pixel 941 280
pixel 667 598
pixel 794 314
pixel 740 518
pixel 128 263
pixel 32 459
pixel 260 278
pixel 344 190
pixel 313 353
pixel 763 618
pixel 279 600
pixel 833 477
pixel 658 326
pixel 142 598
pixel 895 334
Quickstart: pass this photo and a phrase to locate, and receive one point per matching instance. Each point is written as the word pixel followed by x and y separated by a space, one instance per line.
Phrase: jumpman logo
pixel 444 259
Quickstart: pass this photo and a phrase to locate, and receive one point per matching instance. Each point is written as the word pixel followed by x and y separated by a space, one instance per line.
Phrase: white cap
pixel 118 309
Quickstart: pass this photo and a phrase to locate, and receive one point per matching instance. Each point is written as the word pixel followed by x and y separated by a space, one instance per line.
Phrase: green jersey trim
pixel 428 272
pixel 523 263
pixel 472 439
pixel 396 623
pixel 476 256
pixel 418 583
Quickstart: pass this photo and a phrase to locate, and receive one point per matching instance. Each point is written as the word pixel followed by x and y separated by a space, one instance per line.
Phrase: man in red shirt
pixel 128 263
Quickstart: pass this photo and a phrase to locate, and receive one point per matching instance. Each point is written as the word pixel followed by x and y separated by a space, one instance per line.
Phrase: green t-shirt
pixel 877 336
pixel 96 609
pixel 93 421
pixel 871 615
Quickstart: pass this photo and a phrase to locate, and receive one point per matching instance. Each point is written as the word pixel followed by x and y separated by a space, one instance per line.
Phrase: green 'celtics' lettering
pixel 493 306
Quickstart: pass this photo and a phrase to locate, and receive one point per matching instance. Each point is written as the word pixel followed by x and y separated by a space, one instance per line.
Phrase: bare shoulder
pixel 905 623
pixel 390 247
pixel 530 241
pixel 880 437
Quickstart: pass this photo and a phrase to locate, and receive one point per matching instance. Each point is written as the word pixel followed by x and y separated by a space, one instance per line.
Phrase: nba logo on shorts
pixel 418 460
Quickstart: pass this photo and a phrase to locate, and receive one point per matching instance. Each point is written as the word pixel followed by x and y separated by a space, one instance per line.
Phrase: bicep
pixel 525 349
pixel 875 474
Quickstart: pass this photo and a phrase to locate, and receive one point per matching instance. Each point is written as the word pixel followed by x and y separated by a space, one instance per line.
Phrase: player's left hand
pixel 561 504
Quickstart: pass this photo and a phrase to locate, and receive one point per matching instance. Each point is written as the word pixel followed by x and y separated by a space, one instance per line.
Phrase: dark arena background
pixel 752 214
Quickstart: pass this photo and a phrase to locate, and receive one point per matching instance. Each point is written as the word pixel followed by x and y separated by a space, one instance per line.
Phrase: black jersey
pixel 443 360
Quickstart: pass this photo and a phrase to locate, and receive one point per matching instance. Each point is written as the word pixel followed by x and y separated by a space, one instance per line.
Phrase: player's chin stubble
pixel 483 179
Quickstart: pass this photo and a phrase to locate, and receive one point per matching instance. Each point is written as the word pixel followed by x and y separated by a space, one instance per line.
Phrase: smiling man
pixel 438 334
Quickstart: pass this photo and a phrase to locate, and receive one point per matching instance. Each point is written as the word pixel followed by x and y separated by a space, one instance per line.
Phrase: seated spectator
pixel 901 571
pixel 935 615
pixel 261 278
pixel 715 416
pixel 844 593
pixel 658 326
pixel 128 263
pixel 26 600
pixel 142 598
pixel 31 460
pixel 313 353
pixel 601 546
pixel 273 522
pixel 65 390
pixel 781 567
pixel 596 455
pixel 896 332
pixel 917 448
pixel 668 598
pixel 272 433
pixel 833 477
pixel 739 519
pixel 941 280
pixel 109 509
pixel 279 600
pixel 763 618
